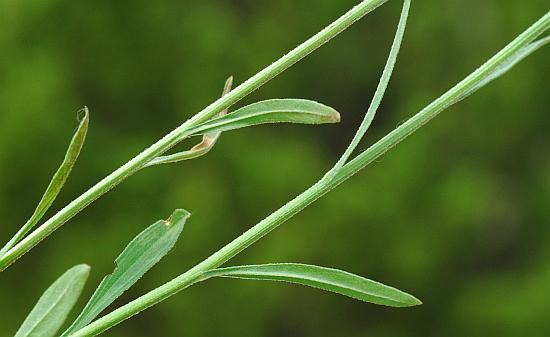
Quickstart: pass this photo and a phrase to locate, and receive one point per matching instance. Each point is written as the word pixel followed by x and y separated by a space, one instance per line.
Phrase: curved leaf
pixel 54 305
pixel 202 148
pixel 271 111
pixel 57 182
pixel 329 279
pixel 141 254
pixel 380 89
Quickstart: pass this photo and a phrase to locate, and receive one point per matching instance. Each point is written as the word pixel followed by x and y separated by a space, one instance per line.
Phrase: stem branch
pixel 181 132
pixel 316 191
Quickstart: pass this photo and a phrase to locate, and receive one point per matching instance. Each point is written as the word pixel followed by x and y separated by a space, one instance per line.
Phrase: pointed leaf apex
pixel 179 215
pixel 228 85
pixel 83 115
pixel 415 301
pixel 82 268
pixel 332 116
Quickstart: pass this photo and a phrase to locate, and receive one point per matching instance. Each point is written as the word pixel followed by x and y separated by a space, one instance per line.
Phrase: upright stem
pixel 316 191
pixel 181 132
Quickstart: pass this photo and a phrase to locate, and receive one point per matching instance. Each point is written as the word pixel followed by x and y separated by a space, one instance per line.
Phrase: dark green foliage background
pixel 458 214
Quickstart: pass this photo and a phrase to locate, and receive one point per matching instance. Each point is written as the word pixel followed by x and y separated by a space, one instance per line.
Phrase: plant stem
pixel 181 132
pixel 316 191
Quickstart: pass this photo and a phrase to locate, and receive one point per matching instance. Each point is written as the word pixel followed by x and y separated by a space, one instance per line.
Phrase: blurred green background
pixel 458 214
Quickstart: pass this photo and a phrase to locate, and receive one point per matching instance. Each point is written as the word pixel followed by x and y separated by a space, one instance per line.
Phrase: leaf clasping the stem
pixel 202 148
pixel 288 110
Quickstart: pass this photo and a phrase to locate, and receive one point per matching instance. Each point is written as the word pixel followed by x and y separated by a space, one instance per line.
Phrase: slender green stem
pixel 449 98
pixel 316 191
pixel 181 132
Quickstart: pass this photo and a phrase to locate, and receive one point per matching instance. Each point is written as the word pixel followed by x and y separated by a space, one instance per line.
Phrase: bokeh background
pixel 458 214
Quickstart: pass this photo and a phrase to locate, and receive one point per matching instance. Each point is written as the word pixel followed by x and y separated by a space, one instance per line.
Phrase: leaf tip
pixel 179 216
pixel 411 301
pixel 228 84
pixel 332 116
pixel 83 115
pixel 81 269
pixel 82 266
pixel 416 301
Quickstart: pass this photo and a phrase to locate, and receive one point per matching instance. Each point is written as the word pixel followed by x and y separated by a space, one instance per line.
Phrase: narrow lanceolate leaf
pixel 505 66
pixel 380 90
pixel 143 252
pixel 54 305
pixel 202 148
pixel 271 111
pixel 333 280
pixel 57 182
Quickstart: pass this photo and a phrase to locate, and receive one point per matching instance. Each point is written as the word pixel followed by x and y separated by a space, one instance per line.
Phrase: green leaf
pixel 57 182
pixel 271 111
pixel 380 89
pixel 54 305
pixel 333 280
pixel 505 66
pixel 143 252
pixel 202 148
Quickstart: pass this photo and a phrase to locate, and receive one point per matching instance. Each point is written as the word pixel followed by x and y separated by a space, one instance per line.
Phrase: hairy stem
pixel 316 191
pixel 181 132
